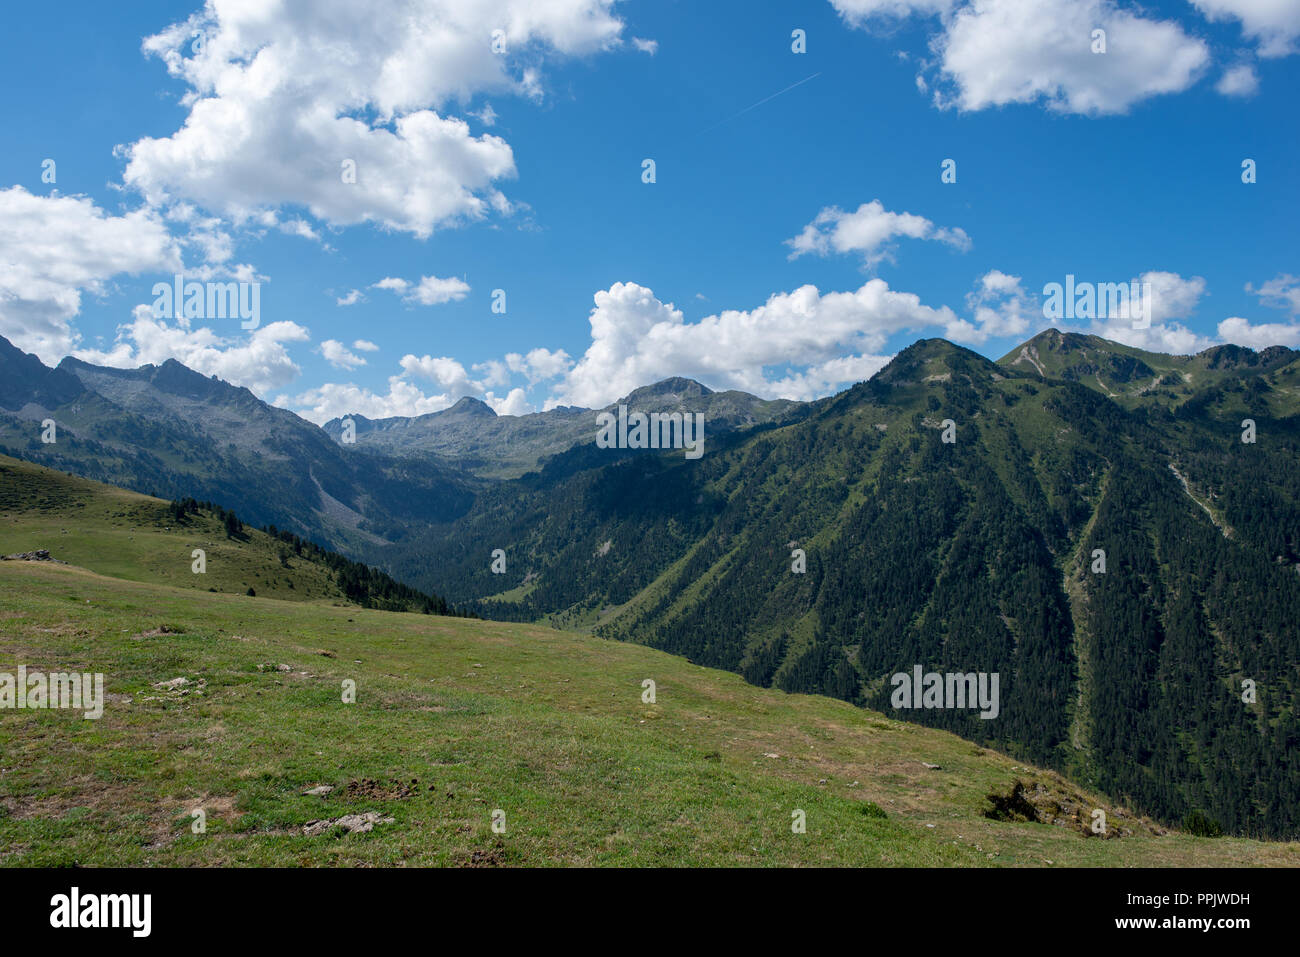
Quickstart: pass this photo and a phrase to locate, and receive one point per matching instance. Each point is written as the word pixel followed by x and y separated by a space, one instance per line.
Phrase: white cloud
pixel 1281 292
pixel 259 362
pixel 363 345
pixel 299 227
pixel 1273 24
pixel 861 12
pixel 429 291
pixel 1000 306
pixel 1261 336
pixel 995 52
pixel 636 339
pixel 868 231
pixel 404 397
pixel 539 364
pixel 646 46
pixel 1171 338
pixel 827 377
pixel 1171 298
pixel 515 403
pixel 448 374
pixel 334 400
pixel 362 86
pixel 433 291
pixel 1240 81
pixel 351 299
pixel 337 355
pixel 54 249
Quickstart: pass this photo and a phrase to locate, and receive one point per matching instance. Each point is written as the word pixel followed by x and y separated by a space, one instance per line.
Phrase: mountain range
pixel 1114 533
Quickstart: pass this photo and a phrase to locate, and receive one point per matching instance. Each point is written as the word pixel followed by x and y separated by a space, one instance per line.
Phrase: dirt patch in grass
pixel 485 857
pixel 157 632
pixel 89 793
pixel 350 823
pixel 370 790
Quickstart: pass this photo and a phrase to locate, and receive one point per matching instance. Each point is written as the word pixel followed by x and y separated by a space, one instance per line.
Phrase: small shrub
pixel 1200 824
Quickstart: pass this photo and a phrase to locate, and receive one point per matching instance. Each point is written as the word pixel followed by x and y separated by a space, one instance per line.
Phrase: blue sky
pixel 788 246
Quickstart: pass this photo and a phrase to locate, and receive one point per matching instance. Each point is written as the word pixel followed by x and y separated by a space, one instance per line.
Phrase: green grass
pixel 470 716
pixel 126 535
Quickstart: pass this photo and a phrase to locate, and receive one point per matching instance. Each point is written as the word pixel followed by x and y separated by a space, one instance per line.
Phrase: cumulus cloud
pixel 646 46
pixel 799 345
pixel 637 339
pixel 1281 292
pixel 405 397
pixel 1261 335
pixel 334 400
pixel 259 362
pixel 1163 297
pixel 351 299
pixel 868 231
pixel 54 249
pixel 370 139
pixel 429 291
pixel 860 13
pixel 445 372
pixel 338 355
pixel 1273 24
pixel 995 52
pixel 539 364
pixel 363 345
pixel 1240 81
pixel 1000 306
pixel 1171 296
pixel 514 403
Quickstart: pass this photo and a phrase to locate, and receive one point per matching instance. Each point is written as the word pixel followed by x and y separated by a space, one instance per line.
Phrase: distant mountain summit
pixel 475 438
pixel 1134 376
pixel 469 407
pixel 26 381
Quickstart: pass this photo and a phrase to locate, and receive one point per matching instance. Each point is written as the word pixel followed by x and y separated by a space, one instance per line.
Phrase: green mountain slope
pixel 1135 377
pixel 456 720
pixel 974 556
pixel 169 431
pixel 126 535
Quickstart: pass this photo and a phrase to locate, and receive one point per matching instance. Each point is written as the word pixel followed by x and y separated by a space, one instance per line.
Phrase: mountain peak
pixel 673 389
pixel 471 406
pixel 24 378
pixel 928 359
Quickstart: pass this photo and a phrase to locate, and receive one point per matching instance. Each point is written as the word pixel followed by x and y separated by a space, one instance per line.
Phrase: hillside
pixel 126 535
pixel 455 719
